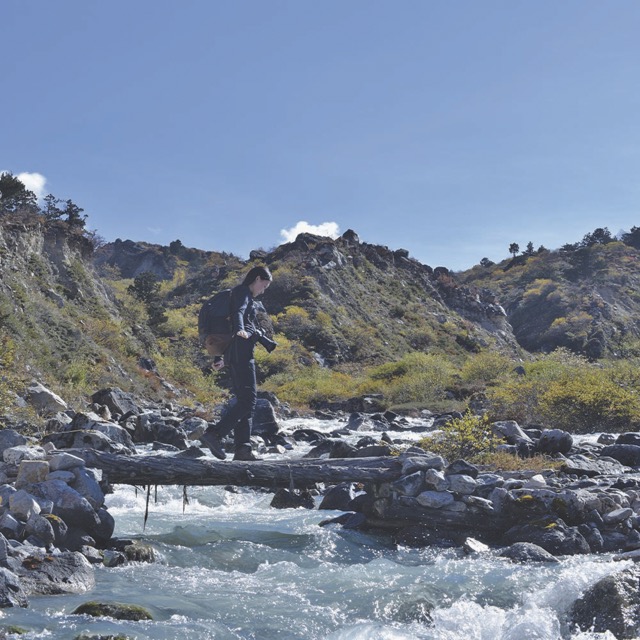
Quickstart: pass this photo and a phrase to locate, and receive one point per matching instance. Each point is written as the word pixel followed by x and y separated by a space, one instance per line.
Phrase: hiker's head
pixel 258 279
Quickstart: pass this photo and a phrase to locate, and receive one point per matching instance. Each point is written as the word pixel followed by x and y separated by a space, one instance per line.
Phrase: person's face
pixel 259 286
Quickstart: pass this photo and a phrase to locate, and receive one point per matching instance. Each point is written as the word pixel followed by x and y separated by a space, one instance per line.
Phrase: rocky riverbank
pixel 54 526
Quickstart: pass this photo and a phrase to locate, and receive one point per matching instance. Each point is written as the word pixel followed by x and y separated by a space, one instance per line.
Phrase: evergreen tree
pixel 15 196
pixel 514 249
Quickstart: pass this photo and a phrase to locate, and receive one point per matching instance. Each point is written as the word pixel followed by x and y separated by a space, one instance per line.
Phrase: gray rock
pixel 40 527
pixel 43 400
pixel 65 461
pixel 23 505
pixel 611 605
pixel 460 483
pixel 435 499
pixel 31 471
pixel 338 497
pixel 65 476
pixel 581 465
pixel 628 438
pixel 509 430
pixel 86 484
pixel 462 467
pixel 410 485
pixel 82 439
pixel 15 455
pixel 11 592
pixel 117 400
pixel 527 552
pixel 93 422
pixel 10 438
pixel 553 535
pixel 480 503
pixel 422 463
pixel 65 573
pixel 75 510
pixel 617 516
pixel 473 546
pixel 436 479
pixel 555 441
pixel 626 454
pixel 9 526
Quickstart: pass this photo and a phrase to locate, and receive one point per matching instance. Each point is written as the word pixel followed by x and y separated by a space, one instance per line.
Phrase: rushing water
pixel 232 567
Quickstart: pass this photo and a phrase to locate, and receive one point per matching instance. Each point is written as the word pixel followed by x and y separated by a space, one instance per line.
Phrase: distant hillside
pixel 350 317
pixel 344 300
pixel 584 298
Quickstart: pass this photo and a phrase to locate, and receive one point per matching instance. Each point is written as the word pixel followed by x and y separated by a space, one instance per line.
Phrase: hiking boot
pixel 211 440
pixel 246 456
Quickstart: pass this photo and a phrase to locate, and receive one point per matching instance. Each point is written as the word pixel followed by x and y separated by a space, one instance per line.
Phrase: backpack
pixel 214 325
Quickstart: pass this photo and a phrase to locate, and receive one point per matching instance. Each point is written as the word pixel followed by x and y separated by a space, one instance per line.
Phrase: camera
pixel 266 342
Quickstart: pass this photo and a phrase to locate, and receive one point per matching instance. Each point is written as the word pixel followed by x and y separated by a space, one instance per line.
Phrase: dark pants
pixel 239 417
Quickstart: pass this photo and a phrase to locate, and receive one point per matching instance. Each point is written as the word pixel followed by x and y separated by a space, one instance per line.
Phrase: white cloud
pixel 33 182
pixel 330 229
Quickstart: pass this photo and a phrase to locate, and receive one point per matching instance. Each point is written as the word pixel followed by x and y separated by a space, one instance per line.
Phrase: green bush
pixel 415 378
pixel 565 391
pixel 312 387
pixel 469 437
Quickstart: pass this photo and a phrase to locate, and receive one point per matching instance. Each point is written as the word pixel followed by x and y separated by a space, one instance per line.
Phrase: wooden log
pixel 300 473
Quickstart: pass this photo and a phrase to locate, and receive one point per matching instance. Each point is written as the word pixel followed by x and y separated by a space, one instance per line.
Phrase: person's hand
pixel 243 334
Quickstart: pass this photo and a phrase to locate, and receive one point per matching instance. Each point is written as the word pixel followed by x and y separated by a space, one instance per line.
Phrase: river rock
pixel 339 497
pixel 462 467
pixel 611 605
pixel 11 592
pixel 473 546
pixel 626 454
pixel 75 510
pixel 617 516
pixel 629 438
pixel 555 441
pixel 288 499
pixel 422 463
pixel 93 422
pixel 581 465
pixel 83 439
pixel 86 484
pixel 410 485
pixel 436 480
pixel 117 610
pixel 461 483
pixel 527 552
pixel 46 574
pixel 553 535
pixel 435 499
pixel 41 528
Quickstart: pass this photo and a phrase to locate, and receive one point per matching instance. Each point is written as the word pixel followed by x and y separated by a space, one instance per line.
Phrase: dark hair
pixel 257 272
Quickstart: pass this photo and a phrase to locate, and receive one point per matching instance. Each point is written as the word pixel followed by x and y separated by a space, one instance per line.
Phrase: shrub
pixel 312 387
pixel 565 391
pixel 469 437
pixel 485 367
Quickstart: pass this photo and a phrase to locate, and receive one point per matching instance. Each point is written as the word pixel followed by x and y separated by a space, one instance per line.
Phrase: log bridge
pixel 147 470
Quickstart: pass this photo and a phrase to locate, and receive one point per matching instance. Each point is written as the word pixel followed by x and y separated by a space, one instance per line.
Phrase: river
pixel 231 567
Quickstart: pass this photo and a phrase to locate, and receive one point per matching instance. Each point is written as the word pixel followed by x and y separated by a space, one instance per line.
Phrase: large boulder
pixel 553 535
pixel 611 605
pixel 43 400
pixel 117 400
pixel 626 454
pixel 43 574
pixel 555 441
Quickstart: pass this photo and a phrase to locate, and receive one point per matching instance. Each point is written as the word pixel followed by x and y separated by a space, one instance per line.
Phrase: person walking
pixel 239 357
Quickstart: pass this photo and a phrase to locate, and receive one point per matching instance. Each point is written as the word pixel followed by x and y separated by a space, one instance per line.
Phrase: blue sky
pixel 450 128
